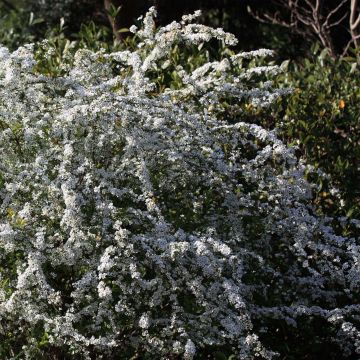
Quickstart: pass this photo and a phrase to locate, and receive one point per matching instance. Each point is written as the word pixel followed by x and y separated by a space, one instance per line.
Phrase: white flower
pixel 103 290
pixel 133 29
pixel 190 350
pixel 144 321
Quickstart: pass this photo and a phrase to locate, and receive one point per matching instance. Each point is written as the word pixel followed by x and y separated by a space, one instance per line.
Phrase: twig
pixel 333 12
pixel 354 22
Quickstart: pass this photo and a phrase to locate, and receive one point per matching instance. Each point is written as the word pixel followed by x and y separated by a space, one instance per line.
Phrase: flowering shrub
pixel 133 221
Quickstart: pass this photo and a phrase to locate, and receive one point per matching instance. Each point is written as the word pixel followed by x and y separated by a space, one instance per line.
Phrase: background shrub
pixel 322 117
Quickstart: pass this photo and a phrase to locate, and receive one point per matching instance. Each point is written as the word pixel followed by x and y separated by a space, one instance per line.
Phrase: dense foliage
pixel 323 118
pixel 137 219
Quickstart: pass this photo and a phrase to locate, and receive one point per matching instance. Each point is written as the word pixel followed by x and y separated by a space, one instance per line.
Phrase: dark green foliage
pixel 322 117
pixel 17 27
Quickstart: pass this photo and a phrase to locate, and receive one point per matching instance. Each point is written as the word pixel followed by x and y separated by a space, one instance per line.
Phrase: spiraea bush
pixel 136 222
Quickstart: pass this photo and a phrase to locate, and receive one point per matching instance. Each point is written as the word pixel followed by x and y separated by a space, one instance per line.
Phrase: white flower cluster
pixel 135 220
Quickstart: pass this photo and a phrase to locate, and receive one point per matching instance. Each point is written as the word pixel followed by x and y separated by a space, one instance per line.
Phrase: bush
pixel 322 119
pixel 136 222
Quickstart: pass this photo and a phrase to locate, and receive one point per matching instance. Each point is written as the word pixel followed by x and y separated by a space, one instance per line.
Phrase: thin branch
pixel 304 20
pixel 333 12
pixel 354 23
pixel 310 18
pixel 347 48
pixel 311 5
pixel 336 23
pixel 349 44
pixel 267 18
